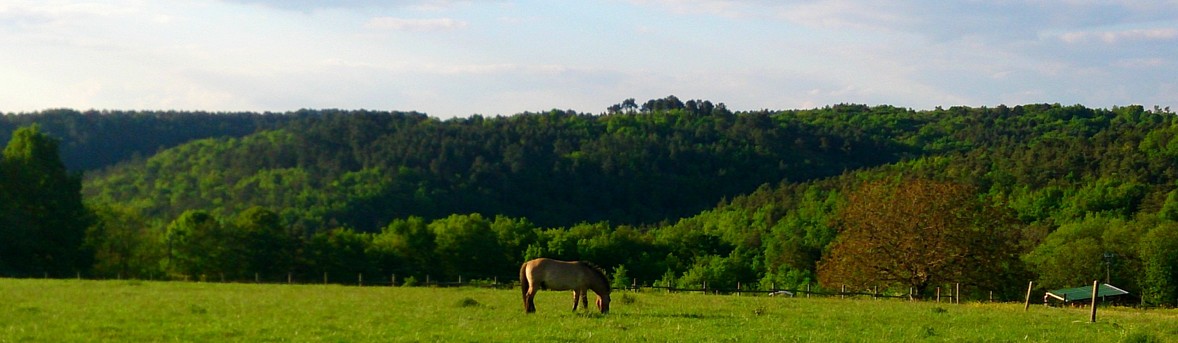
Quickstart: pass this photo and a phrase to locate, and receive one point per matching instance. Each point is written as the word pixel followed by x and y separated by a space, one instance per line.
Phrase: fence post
pixel 289 278
pixel 1095 285
pixel 807 290
pixel 324 278
pixel 360 279
pixel 427 280
pixel 738 289
pixel 1027 304
pixel 393 280
pixel 705 285
pixel 842 291
pixel 460 281
pixel 257 279
pixel 957 294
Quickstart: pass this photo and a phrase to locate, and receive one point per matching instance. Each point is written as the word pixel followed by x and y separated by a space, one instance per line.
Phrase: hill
pixel 362 169
pixel 673 193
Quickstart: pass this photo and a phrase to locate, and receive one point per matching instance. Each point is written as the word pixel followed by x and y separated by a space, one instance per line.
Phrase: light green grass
pixel 134 311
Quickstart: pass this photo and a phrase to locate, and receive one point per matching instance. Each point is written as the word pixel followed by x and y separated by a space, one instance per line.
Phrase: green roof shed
pixel 1085 293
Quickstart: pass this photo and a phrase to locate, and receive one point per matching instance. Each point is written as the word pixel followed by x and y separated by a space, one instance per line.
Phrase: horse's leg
pixel 530 300
pixel 585 300
pixel 576 298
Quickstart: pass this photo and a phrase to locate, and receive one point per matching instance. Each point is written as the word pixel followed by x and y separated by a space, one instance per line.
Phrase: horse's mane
pixel 597 271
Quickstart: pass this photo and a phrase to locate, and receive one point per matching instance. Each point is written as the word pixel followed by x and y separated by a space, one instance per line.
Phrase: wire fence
pixel 942 294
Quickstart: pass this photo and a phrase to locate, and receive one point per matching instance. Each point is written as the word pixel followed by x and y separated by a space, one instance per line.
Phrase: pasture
pixel 80 310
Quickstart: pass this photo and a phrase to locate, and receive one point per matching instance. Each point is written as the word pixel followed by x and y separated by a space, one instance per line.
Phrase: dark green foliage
pixel 42 219
pixel 1159 256
pixel 124 244
pixel 93 140
pixel 679 192
pixel 269 249
pixel 338 255
pixel 556 169
pixel 198 246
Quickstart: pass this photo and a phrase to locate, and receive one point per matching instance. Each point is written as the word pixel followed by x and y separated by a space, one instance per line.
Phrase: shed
pixel 1105 292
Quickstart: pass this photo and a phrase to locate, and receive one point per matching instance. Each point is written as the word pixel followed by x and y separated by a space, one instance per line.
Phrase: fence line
pixel 951 294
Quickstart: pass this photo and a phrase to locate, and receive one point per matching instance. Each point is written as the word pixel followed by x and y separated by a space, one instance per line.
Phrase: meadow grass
pixel 140 311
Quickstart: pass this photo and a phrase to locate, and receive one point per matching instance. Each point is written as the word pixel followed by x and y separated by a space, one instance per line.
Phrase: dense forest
pixel 664 192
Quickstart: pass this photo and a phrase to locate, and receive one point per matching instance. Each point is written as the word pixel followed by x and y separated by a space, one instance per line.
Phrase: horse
pixel 544 273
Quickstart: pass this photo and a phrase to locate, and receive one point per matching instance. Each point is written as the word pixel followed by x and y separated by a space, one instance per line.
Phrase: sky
pixel 450 58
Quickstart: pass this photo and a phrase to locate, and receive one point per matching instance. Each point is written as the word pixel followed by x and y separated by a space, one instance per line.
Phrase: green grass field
pixel 73 310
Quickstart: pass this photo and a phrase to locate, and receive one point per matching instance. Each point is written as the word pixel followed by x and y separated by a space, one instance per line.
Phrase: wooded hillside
pixel 671 192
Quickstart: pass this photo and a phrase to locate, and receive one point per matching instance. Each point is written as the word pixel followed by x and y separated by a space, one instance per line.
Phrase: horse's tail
pixel 523 280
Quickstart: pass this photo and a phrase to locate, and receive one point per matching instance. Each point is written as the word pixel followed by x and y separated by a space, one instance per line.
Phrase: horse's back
pixel 555 274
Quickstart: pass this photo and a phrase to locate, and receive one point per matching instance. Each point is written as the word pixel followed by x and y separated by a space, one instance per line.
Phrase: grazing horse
pixel 544 273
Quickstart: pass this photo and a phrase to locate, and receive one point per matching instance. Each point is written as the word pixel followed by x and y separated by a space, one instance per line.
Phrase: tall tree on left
pixel 42 219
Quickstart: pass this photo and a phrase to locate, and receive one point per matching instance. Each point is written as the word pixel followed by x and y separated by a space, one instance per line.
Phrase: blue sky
pixel 457 58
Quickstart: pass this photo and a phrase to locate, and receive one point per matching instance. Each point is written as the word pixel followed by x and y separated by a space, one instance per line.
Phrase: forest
pixel 665 192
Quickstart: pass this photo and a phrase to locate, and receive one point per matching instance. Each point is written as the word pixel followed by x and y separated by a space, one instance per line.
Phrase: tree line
pixel 842 195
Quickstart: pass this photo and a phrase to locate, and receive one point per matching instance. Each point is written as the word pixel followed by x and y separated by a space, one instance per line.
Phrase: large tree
pixel 918 233
pixel 1159 254
pixel 42 221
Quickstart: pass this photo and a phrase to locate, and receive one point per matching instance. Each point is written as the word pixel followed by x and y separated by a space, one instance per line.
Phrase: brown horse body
pixel 578 276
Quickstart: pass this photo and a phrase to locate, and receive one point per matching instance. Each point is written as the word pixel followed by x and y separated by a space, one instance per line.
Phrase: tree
pixel 269 248
pixel 123 244
pixel 199 247
pixel 43 221
pixel 1159 255
pixel 341 253
pixel 467 247
pixel 409 241
pixel 918 233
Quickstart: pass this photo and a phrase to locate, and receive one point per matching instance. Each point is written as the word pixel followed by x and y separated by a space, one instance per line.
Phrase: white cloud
pixel 1114 37
pixel 417 25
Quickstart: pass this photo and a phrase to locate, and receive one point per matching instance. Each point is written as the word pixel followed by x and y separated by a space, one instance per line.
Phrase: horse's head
pixel 603 302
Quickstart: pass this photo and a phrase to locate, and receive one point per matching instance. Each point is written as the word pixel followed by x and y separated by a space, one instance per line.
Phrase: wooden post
pixel 938 294
pixel 705 285
pixel 842 291
pixel 324 278
pixel 807 290
pixel 738 289
pixel 393 280
pixel 289 278
pixel 957 294
pixel 460 280
pixel 360 279
pixel 1095 286
pixel 257 278
pixel 1027 305
pixel 427 280
pixel 991 296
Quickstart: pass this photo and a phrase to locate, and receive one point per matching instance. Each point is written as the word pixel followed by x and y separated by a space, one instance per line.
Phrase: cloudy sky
pixel 456 58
